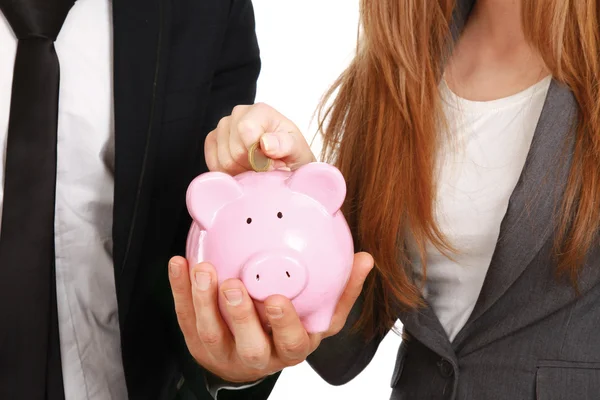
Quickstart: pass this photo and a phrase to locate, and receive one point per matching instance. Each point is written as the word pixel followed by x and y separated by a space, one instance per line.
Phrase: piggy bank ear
pixel 208 193
pixel 322 182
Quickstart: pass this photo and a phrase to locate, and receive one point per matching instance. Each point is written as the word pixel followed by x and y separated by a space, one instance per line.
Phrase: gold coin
pixel 257 159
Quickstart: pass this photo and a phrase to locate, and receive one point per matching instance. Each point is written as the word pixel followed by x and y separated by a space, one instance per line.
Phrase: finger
pixel 212 331
pixel 239 111
pixel 238 151
pixel 248 125
pixel 252 344
pixel 288 146
pixel 363 263
pixel 182 295
pixel 289 335
pixel 237 148
pixel 280 139
pixel 226 161
pixel 210 152
pixel 259 119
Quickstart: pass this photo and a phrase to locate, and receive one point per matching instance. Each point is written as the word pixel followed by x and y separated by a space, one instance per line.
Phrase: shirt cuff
pixel 214 384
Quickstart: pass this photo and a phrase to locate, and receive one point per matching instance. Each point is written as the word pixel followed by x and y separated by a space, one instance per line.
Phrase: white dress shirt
pixel 87 304
pixel 478 170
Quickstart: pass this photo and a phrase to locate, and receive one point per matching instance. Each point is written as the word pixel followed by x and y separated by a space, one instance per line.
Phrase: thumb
pixel 288 146
pixel 363 264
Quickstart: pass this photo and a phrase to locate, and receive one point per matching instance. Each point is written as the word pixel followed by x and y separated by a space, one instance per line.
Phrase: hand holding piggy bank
pixel 279 232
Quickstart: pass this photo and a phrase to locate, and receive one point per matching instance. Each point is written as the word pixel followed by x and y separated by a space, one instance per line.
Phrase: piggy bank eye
pixel 249 221
pixel 279 215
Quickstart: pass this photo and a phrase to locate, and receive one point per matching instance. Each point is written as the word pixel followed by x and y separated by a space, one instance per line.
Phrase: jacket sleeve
pixel 340 358
pixel 234 82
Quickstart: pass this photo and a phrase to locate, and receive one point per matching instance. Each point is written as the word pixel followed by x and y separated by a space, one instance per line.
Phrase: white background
pixel 305 45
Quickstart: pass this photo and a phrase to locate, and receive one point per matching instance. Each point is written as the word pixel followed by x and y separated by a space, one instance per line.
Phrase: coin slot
pixel 279 215
pixel 288 274
pixel 257 277
pixel 249 221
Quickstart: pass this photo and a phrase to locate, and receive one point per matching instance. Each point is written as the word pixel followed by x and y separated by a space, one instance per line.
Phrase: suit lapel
pixel 424 325
pixel 139 34
pixel 532 212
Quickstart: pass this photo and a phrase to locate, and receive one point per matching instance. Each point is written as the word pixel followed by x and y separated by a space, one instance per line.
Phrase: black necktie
pixel 30 367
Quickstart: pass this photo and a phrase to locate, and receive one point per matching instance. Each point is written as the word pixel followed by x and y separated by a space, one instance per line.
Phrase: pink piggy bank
pixel 279 232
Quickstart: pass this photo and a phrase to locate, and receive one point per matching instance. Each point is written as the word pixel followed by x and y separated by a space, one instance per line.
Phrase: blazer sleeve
pixel 340 358
pixel 233 83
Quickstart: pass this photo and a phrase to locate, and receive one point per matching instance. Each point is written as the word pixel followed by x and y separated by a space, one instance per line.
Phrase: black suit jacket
pixel 179 66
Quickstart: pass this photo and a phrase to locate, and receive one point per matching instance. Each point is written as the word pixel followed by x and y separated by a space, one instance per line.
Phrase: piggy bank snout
pixel 267 274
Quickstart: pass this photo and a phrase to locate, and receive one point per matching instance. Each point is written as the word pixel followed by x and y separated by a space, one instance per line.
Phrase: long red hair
pixel 381 131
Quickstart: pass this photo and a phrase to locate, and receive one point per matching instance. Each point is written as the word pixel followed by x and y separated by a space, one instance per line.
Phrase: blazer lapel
pixel 139 34
pixel 424 325
pixel 534 204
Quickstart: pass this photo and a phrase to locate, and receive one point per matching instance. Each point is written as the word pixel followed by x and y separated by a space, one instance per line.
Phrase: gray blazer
pixel 529 336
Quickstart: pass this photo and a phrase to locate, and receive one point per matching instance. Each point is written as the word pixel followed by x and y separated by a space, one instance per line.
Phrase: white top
pixel 479 166
pixel 87 304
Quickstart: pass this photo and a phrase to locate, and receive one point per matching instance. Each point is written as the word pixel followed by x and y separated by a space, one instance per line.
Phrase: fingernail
pixel 233 296
pixel 269 142
pixel 274 312
pixel 280 165
pixel 203 280
pixel 175 269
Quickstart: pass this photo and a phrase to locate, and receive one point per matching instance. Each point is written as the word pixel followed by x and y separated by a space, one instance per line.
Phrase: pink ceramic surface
pixel 279 232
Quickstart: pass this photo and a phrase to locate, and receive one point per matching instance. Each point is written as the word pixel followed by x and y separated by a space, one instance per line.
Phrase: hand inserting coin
pixel 257 159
